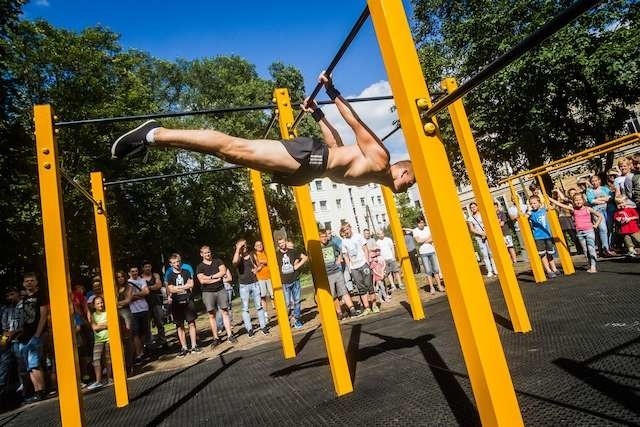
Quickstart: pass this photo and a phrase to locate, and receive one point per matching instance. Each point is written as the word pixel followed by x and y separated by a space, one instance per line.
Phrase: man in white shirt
pixel 356 255
pixel 139 311
pixel 476 226
pixel 388 253
pixel 422 236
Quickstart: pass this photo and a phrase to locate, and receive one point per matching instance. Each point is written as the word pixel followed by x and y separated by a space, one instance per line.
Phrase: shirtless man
pixel 291 162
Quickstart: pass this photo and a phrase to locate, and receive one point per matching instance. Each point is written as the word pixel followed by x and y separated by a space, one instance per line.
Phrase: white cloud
pixel 44 3
pixel 375 114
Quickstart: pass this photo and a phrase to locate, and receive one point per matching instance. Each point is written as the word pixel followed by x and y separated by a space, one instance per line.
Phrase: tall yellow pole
pixel 109 290
pixel 473 165
pixel 529 243
pixel 413 294
pixel 262 211
pixel 330 326
pixel 556 232
pixel 472 315
pixel 55 245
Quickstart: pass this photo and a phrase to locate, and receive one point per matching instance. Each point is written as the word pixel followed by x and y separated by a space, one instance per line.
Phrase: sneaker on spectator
pixel 551 275
pixel 183 352
pixel 353 312
pixel 137 361
pixel 375 308
pixel 265 330
pixel 95 386
pixel 251 333
pixel 631 254
pixel 232 339
pixel 365 312
pixel 215 342
pixel 297 324
pixel 37 397
pixel 196 349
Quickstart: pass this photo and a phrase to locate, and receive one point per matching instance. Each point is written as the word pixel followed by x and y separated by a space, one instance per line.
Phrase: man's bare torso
pixel 349 165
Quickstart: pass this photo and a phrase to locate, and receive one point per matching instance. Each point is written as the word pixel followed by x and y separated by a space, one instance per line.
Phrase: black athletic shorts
pixel 311 153
pixel 183 313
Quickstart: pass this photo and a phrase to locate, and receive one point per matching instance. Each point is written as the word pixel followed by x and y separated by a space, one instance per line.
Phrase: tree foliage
pixel 572 92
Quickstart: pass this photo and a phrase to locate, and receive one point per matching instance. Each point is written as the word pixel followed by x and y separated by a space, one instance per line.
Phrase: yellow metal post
pixel 110 298
pixel 262 211
pixel 55 245
pixel 330 326
pixel 472 315
pixel 413 294
pixel 556 232
pixel 506 273
pixel 529 243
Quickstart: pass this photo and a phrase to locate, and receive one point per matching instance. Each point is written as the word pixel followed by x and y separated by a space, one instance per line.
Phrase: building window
pixel 378 219
pixel 417 203
pixel 334 185
pixel 318 184
pixel 362 201
pixel 373 200
pixel 384 218
pixel 379 200
pixel 327 225
pixel 323 205
pixel 339 203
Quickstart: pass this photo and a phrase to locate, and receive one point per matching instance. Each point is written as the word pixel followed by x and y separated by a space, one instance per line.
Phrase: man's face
pixel 380 234
pixel 30 283
pixel 133 272
pixel 535 204
pixel 13 296
pixel 282 244
pixel 205 253
pixel 175 264
pixel 347 231
pixel 420 225
pixel 497 207
pixel 366 234
pixel 474 208
pixel 146 268
pixel 324 238
pixel 403 178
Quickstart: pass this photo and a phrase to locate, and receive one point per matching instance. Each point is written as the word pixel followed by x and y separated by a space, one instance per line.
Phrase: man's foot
pixel 196 349
pixel 365 312
pixel 551 275
pixel 95 386
pixel 133 143
pixel 433 290
pixel 215 342
pixel 631 254
pixel 297 324
pixel 375 308
pixel 183 352
pixel 39 396
pixel 138 361
pixel 251 333
pixel 232 339
pixel 265 330
pixel 592 270
pixel 353 312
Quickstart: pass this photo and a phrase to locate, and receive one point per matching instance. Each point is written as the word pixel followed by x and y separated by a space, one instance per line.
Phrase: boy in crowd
pixel 542 235
pixel 211 272
pixel 180 285
pixel 290 260
pixel 627 220
pixel 264 277
pixel 333 265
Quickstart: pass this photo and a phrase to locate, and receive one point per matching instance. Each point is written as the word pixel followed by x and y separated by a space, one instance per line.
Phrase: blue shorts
pixel 29 354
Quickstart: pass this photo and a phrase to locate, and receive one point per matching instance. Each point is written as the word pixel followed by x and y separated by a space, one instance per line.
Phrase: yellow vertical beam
pixel 109 290
pixel 413 294
pixel 506 273
pixel 262 211
pixel 472 315
pixel 55 245
pixel 556 232
pixel 529 243
pixel 330 326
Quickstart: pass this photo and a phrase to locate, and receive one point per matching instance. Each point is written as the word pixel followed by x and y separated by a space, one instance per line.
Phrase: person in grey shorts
pixel 356 254
pixel 332 263
pixel 210 273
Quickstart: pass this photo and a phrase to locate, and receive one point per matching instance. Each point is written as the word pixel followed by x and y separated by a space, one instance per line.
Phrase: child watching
pixel 377 264
pixel 627 219
pixel 541 234
pixel 584 227
pixel 100 342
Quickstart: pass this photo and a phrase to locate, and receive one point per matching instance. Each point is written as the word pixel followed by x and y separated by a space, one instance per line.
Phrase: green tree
pixel 572 92
pixel 408 213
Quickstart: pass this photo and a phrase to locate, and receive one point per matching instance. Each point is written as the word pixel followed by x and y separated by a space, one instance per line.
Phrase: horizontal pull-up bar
pixel 544 32
pixel 343 48
pixel 107 120
pixel 577 157
pixel 171 175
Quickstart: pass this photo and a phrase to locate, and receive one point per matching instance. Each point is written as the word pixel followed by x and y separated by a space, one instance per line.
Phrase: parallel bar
pixel 343 48
pixel 410 283
pixel 527 235
pixel 328 319
pixel 110 298
pixel 466 292
pixel 473 165
pixel 78 187
pixel 499 64
pixel 171 175
pixel 55 245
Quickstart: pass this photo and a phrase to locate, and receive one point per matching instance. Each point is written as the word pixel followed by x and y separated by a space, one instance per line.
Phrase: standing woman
pixel 598 197
pixel 123 292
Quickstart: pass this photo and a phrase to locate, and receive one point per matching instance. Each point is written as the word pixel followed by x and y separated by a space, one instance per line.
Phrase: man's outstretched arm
pixel 329 133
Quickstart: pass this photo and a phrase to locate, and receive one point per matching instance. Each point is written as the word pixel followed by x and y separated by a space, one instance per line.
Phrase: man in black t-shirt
pixel 35 308
pixel 290 261
pixel 210 273
pixel 179 285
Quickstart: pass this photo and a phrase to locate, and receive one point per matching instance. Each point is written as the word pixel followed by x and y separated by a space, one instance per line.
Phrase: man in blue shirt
pixel 542 235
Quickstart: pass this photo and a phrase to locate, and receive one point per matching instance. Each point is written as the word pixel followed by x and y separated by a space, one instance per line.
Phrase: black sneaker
pixel 196 349
pixel 133 143
pixel 251 333
pixel 232 339
pixel 265 330
pixel 215 342
pixel 183 352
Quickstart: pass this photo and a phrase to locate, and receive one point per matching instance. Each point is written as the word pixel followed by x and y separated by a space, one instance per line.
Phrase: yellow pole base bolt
pixel 422 103
pixel 430 128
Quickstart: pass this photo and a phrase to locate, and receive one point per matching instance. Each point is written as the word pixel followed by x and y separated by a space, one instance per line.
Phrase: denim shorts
pixel 29 354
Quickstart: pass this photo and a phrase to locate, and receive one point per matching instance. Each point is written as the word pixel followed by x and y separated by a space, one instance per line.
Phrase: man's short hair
pixel 534 197
pixel 420 219
pixel 146 262
pixel 203 247
pixel 174 256
pixel 29 275
pixel 473 203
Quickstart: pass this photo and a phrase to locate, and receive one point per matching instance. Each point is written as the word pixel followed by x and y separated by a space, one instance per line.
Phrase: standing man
pixel 411 249
pixel 476 226
pixel 333 265
pixel 245 262
pixel 35 309
pixel 422 235
pixel 513 215
pixel 264 277
pixel 355 252
pixel 506 231
pixel 211 272
pixel 155 301
pixel 371 242
pixel 180 285
pixel 290 260
pixel 139 312
pixel 388 253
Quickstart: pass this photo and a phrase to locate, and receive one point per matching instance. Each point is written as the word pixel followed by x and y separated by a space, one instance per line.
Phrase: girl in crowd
pixel 100 342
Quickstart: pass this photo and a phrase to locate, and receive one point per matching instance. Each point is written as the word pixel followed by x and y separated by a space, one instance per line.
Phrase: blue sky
pixel 300 33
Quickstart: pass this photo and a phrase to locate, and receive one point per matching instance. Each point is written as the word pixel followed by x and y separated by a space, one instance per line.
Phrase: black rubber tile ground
pixel 579 366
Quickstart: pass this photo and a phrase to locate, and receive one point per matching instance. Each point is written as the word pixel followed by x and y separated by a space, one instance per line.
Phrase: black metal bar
pixel 345 45
pixel 396 129
pixel 544 32
pixel 107 120
pixel 171 175
pixel 273 120
pixel 79 187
